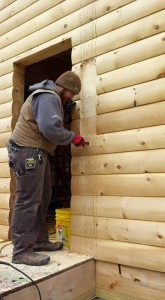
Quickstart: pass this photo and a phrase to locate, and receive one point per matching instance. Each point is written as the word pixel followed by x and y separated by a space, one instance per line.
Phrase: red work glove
pixel 78 141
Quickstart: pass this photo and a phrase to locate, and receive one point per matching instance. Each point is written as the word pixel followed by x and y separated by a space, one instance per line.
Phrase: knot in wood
pixel 105 165
pixel 161 75
pixel 118 167
pixel 157 27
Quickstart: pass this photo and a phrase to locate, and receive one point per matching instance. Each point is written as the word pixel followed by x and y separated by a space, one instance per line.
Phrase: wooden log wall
pixel 118 194
pixel 118 200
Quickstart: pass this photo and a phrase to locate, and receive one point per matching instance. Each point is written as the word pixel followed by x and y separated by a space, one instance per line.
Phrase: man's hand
pixel 78 141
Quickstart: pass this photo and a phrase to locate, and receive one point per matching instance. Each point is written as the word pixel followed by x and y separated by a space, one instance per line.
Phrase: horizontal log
pixel 140 256
pixel 26 14
pixel 4 232
pixel 5 3
pixel 4 137
pixel 132 140
pixel 150 278
pixel 5 124
pixel 48 16
pixel 147 48
pixel 14 8
pixel 135 208
pixel 137 117
pixel 4 201
pixel 4 170
pixel 6 95
pixel 130 231
pixel 132 283
pixel 6 81
pixel 134 74
pixel 145 93
pixel 4 185
pixel 117 38
pixel 4 216
pixel 3 155
pixel 120 163
pixel 6 109
pixel 140 185
pixel 128 14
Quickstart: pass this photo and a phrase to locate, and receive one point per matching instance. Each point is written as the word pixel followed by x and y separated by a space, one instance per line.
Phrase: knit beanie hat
pixel 70 81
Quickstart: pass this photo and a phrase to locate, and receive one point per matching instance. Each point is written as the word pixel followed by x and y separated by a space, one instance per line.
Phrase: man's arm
pixel 47 113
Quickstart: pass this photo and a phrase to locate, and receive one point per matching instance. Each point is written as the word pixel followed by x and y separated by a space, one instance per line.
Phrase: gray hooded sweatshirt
pixel 48 115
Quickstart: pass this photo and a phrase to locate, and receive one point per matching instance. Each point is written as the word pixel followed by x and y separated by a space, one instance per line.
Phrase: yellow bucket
pixel 63 226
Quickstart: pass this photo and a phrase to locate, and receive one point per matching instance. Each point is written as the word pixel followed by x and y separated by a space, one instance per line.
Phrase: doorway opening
pixel 51 68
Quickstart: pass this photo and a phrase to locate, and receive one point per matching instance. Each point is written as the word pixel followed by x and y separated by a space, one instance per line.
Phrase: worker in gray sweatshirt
pixel 40 128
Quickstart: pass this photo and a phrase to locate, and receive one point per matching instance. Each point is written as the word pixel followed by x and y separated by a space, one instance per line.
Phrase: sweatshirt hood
pixel 45 84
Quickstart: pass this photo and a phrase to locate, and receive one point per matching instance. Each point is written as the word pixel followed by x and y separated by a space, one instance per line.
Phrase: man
pixel 37 133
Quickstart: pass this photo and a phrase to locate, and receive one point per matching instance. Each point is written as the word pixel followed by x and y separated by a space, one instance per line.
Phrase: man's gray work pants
pixel 33 196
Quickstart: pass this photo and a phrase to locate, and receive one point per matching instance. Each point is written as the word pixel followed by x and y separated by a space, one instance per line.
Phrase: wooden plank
pixel 140 256
pixel 128 14
pixel 26 14
pixel 108 295
pixel 5 3
pixel 5 124
pixel 84 226
pixel 4 185
pixel 4 232
pixel 84 205
pixel 141 94
pixel 48 16
pixel 4 137
pixel 121 163
pixel 3 155
pixel 4 216
pixel 147 48
pixel 6 110
pixel 149 278
pixel 131 118
pixel 135 208
pixel 6 95
pixel 14 8
pixel 132 140
pixel 139 185
pixel 152 69
pixel 117 38
pixel 80 286
pixel 130 231
pixel 4 201
pixel 4 170
pixel 132 283
pixel 6 81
